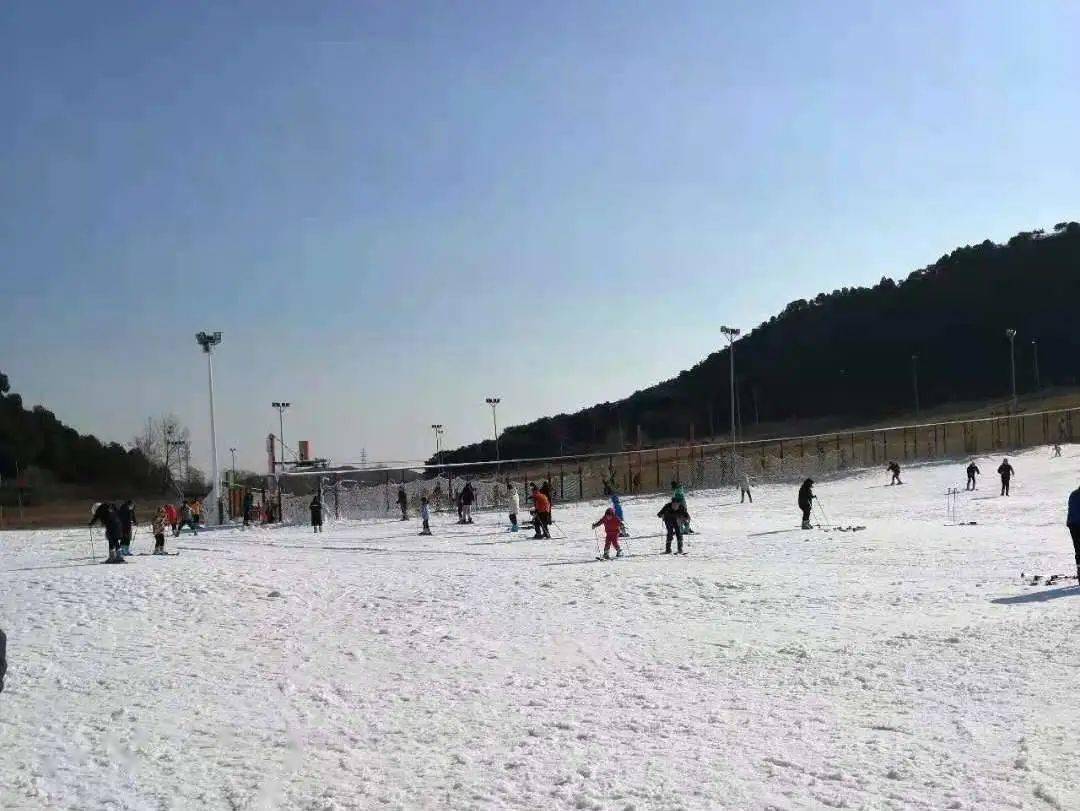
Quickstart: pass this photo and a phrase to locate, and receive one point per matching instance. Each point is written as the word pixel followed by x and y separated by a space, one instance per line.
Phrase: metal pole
pixel 215 492
pixel 1035 348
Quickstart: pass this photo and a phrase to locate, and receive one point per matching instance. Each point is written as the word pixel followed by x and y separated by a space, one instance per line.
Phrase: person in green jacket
pixel 678 494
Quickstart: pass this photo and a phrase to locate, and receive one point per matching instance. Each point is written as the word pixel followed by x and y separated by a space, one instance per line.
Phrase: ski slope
pixel 904 666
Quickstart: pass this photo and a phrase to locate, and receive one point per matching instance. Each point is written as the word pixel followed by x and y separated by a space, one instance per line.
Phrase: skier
pixel 612 531
pixel 172 517
pixel 1073 522
pixel 157 526
pixel 806 501
pixel 679 494
pixel 1057 450
pixel 3 658
pixel 316 513
pixel 425 516
pixel 187 518
pixel 196 513
pixel 1005 470
pixel 744 489
pixel 403 503
pixel 468 496
pixel 674 516
pixel 106 514
pixel 972 472
pixel 515 505
pixel 545 488
pixel 541 513
pixel 894 469
pixel 126 513
pixel 249 506
pixel 616 505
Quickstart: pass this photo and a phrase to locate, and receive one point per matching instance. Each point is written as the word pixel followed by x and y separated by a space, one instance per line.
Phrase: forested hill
pixel 849 352
pixel 34 442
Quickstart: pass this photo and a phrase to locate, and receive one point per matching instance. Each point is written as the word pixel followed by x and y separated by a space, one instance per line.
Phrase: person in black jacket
pixel 3 658
pixel 316 514
pixel 468 496
pixel 126 513
pixel 105 513
pixel 403 503
pixel 894 469
pixel 972 472
pixel 1005 470
pixel 674 515
pixel 806 501
pixel 249 507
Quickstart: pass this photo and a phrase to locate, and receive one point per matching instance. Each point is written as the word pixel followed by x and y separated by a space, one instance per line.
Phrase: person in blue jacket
pixel 1073 522
pixel 616 505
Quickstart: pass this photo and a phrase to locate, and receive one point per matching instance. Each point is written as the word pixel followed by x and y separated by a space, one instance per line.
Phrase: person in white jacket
pixel 744 488
pixel 515 505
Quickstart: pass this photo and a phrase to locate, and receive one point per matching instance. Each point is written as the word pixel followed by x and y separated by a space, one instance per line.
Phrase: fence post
pixel 580 484
pixel 657 452
pixel 562 483
pixel 337 498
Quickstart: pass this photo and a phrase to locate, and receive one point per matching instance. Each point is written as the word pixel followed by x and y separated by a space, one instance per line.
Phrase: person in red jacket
pixel 172 517
pixel 612 527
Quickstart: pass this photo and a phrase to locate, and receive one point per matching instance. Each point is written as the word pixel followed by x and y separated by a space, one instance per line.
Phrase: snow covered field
pixel 904 666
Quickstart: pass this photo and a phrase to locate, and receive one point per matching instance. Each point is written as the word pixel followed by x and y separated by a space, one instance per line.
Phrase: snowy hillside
pixel 904 666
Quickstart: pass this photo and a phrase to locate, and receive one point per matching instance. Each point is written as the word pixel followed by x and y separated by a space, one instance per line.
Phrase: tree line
pixel 857 352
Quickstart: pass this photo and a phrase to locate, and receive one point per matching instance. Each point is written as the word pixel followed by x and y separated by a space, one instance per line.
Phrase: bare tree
pixel 166 442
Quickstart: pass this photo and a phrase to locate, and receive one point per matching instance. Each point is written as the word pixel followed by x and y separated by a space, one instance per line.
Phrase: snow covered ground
pixel 904 666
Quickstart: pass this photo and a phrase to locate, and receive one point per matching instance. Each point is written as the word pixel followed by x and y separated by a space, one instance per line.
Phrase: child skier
pixel 894 469
pixel 678 494
pixel 674 516
pixel 612 530
pixel 1005 470
pixel 157 526
pixel 972 472
pixel 616 505
pixel 515 505
pixel 744 489
pixel 187 518
pixel 806 501
pixel 316 513
pixel 425 516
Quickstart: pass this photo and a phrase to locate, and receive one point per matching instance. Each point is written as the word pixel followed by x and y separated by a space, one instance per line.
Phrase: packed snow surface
pixel 903 666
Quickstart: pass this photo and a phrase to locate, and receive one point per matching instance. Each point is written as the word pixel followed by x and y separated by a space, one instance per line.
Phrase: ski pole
pixel 596 535
pixel 93 552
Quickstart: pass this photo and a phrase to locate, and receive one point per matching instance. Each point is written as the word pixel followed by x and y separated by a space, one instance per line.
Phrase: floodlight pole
pixel 1035 349
pixel 208 341
pixel 493 402
pixel 281 428
pixel 438 429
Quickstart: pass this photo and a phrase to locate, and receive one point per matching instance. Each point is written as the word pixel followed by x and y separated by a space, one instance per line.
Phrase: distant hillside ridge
pixel 851 353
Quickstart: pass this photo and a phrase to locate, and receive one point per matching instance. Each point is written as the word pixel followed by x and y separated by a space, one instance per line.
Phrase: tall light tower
pixel 731 333
pixel 281 427
pixel 233 452
pixel 1011 334
pixel 438 429
pixel 1035 349
pixel 208 341
pixel 493 402
pixel 915 381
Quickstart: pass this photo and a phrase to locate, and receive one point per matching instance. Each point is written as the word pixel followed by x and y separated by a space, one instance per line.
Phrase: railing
pixel 351 493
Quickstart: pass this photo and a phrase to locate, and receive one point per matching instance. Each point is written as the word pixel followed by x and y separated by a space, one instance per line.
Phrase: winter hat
pixel 95 507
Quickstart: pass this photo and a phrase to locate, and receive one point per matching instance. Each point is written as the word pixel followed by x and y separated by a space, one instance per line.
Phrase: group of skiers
pixel 119 523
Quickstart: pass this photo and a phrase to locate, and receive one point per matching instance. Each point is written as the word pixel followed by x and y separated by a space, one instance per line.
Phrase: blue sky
pixel 394 210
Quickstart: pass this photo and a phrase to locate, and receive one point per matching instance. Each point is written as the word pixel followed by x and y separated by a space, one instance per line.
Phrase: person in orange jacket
pixel 541 513
pixel 612 528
